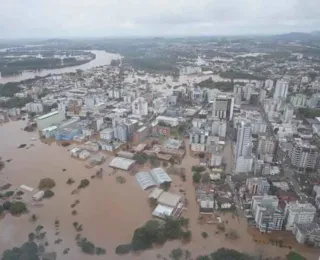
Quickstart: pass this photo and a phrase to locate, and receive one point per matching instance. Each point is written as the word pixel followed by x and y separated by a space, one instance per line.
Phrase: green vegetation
pixel 141 158
pixel 46 184
pixel 225 86
pixel 1 210
pixel 224 253
pixel 70 181
pixel 16 102
pixel 89 248
pixel 7 205
pixel 9 89
pixel 17 208
pixel 204 234
pixel 176 254
pixel 121 179
pixel 239 75
pixel 8 194
pixel 153 64
pixel 196 177
pixel 156 232
pixel 198 169
pixel 83 183
pixel 309 112
pixel 48 194
pixel 123 249
pixel 28 251
pixel 294 256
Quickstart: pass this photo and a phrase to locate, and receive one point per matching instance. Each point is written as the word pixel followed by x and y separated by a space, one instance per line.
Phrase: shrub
pixel 204 234
pixel 48 194
pixel 186 235
pixel 20 193
pixel 17 208
pixel 176 254
pixel 46 184
pixel 8 194
pixel 123 249
pixel 70 181
pixel 83 183
pixel 196 177
pixel 100 251
pixel 74 212
pixel 198 169
pixel 87 247
pixel 121 179
pixel 33 218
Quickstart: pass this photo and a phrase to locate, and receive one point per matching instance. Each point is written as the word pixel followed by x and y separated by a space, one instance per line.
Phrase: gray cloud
pixel 47 18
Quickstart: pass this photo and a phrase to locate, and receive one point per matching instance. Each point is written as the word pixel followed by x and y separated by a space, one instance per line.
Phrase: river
pixel 102 58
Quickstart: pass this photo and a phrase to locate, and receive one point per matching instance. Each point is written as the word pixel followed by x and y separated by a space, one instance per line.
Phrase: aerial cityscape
pixel 160 147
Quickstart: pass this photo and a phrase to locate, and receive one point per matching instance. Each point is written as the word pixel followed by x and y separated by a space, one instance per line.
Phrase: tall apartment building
pixel 35 107
pixel 299 213
pixel 281 90
pixel 267 215
pixel 244 139
pixel 222 106
pixel 299 100
pixel 140 107
pixel 303 154
pixel 257 186
pixel 266 145
pixel 219 128
pixel 314 101
pixel 262 96
pixel 288 113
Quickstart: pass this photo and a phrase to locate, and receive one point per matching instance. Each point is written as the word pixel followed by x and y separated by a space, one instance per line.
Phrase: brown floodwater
pixel 108 211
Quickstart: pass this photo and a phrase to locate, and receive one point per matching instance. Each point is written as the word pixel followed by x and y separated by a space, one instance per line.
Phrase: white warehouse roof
pixel 145 180
pixel 169 199
pixel 160 176
pixel 121 163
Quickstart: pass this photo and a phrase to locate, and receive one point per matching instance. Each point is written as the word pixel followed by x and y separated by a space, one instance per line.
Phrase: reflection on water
pixel 102 58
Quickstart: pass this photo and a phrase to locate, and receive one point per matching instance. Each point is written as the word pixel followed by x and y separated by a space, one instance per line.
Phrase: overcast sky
pixel 99 18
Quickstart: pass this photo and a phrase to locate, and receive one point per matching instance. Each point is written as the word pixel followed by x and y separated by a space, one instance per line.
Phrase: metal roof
pixel 169 199
pixel 121 163
pixel 145 180
pixel 160 176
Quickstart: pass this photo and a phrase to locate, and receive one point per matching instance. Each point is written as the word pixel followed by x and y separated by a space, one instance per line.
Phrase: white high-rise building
pixel 288 113
pixel 263 95
pixel 281 90
pixel 35 107
pixel 244 140
pixel 268 84
pixel 140 107
pixel 299 213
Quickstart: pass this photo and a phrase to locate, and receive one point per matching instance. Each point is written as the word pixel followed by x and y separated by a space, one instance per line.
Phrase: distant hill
pixel 298 36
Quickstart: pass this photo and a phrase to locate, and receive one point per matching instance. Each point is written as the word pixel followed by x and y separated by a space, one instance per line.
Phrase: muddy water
pixel 108 211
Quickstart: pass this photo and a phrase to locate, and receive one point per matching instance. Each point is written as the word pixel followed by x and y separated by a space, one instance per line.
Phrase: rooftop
pixel 121 163
pixel 169 199
pixel 48 115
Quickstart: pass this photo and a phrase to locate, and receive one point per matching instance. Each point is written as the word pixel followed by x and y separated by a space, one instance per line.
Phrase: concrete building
pixel 219 128
pixel 263 95
pixel 299 100
pixel 268 84
pixel 299 213
pixel 258 186
pixel 267 215
pixel 281 90
pixel 307 233
pixel 303 155
pixel 244 140
pixel 314 101
pixel 140 107
pixel 52 118
pixel 288 113
pixel 107 134
pixel 171 121
pixel 244 164
pixel 222 105
pixel 266 145
pixel 34 107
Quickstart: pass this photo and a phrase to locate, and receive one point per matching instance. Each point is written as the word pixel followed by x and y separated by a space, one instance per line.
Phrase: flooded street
pixel 109 212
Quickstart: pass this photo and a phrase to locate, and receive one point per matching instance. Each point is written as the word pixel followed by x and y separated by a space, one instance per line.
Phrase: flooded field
pixel 108 211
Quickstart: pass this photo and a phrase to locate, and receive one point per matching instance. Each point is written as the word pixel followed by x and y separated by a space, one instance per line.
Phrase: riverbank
pixel 102 58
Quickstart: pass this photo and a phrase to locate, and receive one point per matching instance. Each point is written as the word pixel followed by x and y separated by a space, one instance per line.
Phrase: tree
pixel 48 193
pixel 186 235
pixel 176 254
pixel 196 177
pixel 87 247
pixel 1 210
pixel 205 178
pixel 123 249
pixel 83 183
pixel 28 251
pixel 46 184
pixel 204 234
pixel 7 205
pixel 17 208
pixel 141 240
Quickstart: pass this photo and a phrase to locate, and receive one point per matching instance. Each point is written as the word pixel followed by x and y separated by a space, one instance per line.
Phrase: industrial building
pixel 50 119
pixel 122 163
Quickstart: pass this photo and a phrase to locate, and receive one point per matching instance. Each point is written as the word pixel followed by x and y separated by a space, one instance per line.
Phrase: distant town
pixel 217 138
